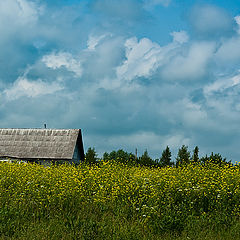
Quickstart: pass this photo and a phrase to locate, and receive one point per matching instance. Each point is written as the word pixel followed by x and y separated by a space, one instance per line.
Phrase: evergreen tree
pixel 112 155
pixel 165 159
pixel 122 156
pixel 218 159
pixel 145 160
pixel 195 157
pixel 204 160
pixel 183 156
pixel 91 156
pixel 106 156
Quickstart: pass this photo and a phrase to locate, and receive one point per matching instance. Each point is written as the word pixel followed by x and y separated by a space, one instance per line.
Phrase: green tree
pixel 106 156
pixel 91 156
pixel 195 157
pixel 165 159
pixel 112 155
pixel 183 156
pixel 216 159
pixel 204 160
pixel 145 160
pixel 120 156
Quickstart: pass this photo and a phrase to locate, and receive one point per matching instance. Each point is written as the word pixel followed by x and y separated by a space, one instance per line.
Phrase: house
pixel 43 146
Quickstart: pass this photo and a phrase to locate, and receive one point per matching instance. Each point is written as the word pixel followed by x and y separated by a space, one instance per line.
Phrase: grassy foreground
pixel 115 201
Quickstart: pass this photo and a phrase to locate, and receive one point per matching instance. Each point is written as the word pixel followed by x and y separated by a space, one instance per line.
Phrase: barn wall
pixel 76 156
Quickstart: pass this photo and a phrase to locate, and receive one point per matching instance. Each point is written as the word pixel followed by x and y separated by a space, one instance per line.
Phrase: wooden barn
pixel 43 146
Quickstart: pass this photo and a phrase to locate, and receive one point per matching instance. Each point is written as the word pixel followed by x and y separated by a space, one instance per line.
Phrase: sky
pixel 131 74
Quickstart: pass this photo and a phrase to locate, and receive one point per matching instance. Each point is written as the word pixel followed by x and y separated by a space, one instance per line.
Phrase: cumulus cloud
pixel 148 4
pixel 124 9
pixel 145 58
pixel 192 64
pixel 63 59
pixel 194 115
pixel 127 11
pixel 93 41
pixel 175 141
pixel 229 51
pixel 18 19
pixel 141 58
pixel 222 84
pixel 101 57
pixel 211 21
pixel 22 87
pixel 180 37
pixel 222 107
pixel 237 19
pixel 18 14
pixel 143 140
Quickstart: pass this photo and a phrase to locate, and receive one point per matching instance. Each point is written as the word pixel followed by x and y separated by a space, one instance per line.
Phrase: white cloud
pixel 148 4
pixel 229 51
pixel 193 114
pixel 193 65
pixel 222 104
pixel 18 13
pixel 22 87
pixel 101 60
pixel 144 140
pixel 142 58
pixel 222 84
pixel 126 10
pixel 19 20
pixel 211 20
pixel 180 37
pixel 176 141
pixel 63 59
pixel 237 19
pixel 93 41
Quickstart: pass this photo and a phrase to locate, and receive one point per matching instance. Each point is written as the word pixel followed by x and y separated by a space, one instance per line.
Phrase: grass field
pixel 115 201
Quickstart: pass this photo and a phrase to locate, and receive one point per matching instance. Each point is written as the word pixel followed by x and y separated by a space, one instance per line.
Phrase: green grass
pixel 108 227
pixel 115 201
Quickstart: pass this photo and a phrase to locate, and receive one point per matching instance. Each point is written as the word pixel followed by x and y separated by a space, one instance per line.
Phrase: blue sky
pixel 131 74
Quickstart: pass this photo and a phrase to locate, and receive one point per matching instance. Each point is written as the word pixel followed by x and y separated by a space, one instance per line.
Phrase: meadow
pixel 117 201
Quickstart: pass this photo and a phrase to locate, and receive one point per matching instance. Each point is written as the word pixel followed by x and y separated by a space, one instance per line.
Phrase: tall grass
pixel 115 201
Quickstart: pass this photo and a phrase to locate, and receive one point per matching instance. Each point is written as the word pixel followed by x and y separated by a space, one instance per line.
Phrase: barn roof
pixel 39 143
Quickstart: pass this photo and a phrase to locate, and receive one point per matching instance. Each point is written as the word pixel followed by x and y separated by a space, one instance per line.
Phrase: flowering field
pixel 112 199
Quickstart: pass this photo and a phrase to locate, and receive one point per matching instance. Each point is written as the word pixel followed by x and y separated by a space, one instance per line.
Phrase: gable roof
pixel 40 143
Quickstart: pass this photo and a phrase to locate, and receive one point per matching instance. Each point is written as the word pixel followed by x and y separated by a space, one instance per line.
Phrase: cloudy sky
pixel 129 73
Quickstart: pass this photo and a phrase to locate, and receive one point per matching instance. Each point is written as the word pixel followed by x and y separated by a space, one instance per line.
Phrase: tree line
pixel 184 157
